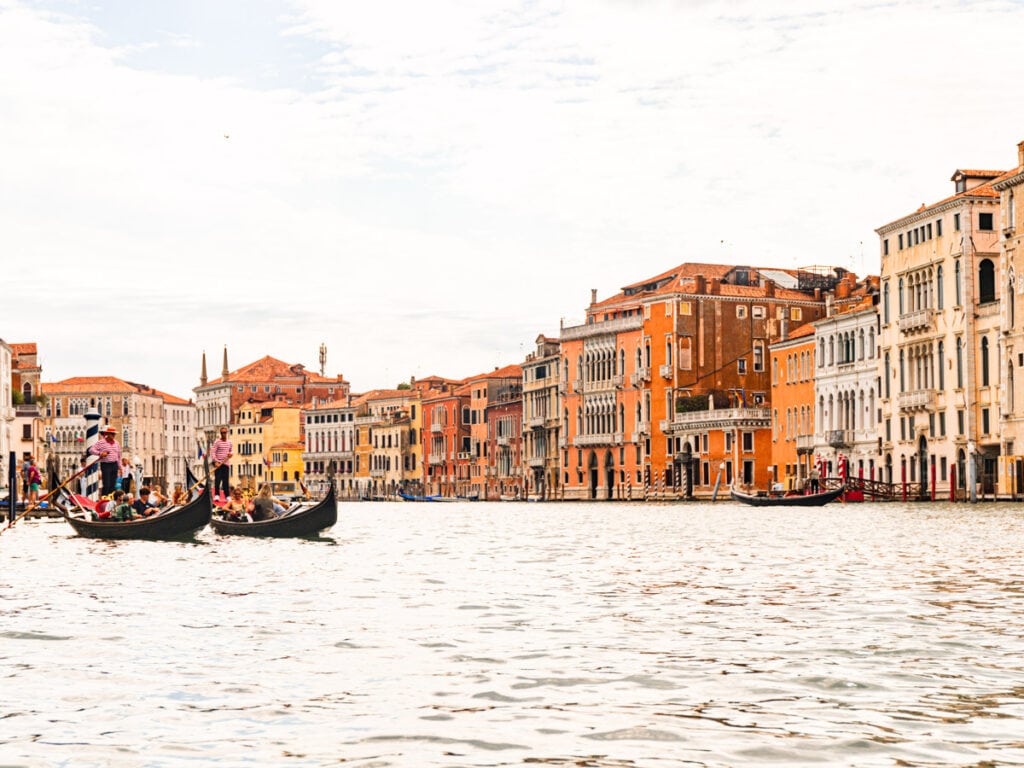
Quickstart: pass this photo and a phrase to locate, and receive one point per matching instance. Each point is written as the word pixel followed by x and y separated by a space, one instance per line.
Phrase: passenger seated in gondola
pixel 156 496
pixel 141 505
pixel 179 497
pixel 265 506
pixel 122 509
pixel 236 510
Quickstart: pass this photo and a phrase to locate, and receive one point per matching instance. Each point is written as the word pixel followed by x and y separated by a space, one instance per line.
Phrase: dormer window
pixel 961 184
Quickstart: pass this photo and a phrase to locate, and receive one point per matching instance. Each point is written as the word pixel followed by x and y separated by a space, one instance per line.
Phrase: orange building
pixel 792 399
pixel 446 441
pixel 638 375
pixel 490 465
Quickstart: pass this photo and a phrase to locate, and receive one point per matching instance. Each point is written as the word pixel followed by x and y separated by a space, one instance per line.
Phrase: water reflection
pixel 499 634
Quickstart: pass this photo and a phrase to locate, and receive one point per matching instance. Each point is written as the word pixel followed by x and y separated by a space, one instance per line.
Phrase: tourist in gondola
pixel 156 496
pixel 265 506
pixel 122 509
pixel 141 505
pixel 109 452
pixel 236 509
pixel 179 496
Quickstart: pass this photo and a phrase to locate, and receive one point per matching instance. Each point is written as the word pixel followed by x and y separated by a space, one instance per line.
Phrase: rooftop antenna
pixel 323 358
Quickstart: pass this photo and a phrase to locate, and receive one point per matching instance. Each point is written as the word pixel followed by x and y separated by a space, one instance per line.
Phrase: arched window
pixel 871 342
pixel 902 379
pixel 888 374
pixel 831 350
pixel 1011 308
pixel 900 296
pixel 938 287
pixel 1009 386
pixel 956 283
pixel 986 281
pixel 984 361
pixel 942 365
pixel 885 304
pixel 960 363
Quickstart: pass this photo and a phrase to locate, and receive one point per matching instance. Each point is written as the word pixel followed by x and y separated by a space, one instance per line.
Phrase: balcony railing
pixel 805 442
pixel 837 438
pixel 917 400
pixel 631 323
pixel 748 417
pixel 504 440
pixel 918 320
pixel 436 428
pixel 666 371
pixel 582 441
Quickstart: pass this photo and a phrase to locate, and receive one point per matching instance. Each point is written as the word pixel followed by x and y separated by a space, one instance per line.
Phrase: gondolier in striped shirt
pixel 110 459
pixel 220 454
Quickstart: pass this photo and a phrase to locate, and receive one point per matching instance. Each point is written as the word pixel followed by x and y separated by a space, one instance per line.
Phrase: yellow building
pixel 257 428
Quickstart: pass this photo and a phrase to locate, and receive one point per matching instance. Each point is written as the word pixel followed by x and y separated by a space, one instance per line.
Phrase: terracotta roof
pixel 27 348
pixel 807 329
pixel 269 368
pixel 975 174
pixel 982 190
pixel 90 384
pixel 172 399
pixel 508 372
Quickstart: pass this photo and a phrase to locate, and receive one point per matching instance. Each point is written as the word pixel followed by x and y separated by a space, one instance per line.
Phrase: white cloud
pixel 443 181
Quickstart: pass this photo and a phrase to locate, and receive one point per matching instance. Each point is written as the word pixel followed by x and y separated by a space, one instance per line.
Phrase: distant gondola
pixel 172 523
pixel 769 499
pixel 308 519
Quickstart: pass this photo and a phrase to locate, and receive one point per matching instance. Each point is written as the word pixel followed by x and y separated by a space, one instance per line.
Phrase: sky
pixel 427 187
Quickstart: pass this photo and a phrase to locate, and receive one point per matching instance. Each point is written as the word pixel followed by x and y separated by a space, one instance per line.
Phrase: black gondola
pixel 307 520
pixel 173 523
pixel 768 499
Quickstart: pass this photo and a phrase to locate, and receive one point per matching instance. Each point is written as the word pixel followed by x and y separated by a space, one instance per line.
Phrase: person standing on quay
pixel 220 455
pixel 110 459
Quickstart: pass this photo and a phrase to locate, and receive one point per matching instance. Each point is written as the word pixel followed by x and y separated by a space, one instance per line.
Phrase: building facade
pixel 541 419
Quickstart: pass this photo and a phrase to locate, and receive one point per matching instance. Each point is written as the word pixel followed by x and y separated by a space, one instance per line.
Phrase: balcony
pixel 917 400
pixel 617 381
pixel 919 320
pixel 837 438
pixel 666 371
pixel 719 418
pixel 503 441
pixel 642 428
pixel 577 385
pixel 582 441
pixel 562 442
pixel 435 459
pixel 535 462
pixel 465 455
pixel 588 330
pixel 804 443
pixel 436 428
pixel 535 422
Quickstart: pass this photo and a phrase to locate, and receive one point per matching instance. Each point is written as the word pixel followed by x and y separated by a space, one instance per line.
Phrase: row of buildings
pixel 677 386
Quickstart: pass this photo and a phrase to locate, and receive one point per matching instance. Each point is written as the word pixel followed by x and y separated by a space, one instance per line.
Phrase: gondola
pixel 307 519
pixel 173 523
pixel 769 499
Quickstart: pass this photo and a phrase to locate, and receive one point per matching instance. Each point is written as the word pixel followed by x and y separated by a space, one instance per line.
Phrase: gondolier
pixel 109 452
pixel 220 454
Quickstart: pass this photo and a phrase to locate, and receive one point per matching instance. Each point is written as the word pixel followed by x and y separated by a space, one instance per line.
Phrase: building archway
pixel 922 462
pixel 594 475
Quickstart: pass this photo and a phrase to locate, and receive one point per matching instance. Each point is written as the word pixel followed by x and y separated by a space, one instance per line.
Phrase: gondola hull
pixel 305 522
pixel 807 500
pixel 173 524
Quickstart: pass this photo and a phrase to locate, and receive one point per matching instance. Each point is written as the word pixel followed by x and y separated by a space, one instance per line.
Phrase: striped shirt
pixel 112 449
pixel 220 450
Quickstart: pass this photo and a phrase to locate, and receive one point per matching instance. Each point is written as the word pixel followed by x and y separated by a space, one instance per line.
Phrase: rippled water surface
pixel 518 634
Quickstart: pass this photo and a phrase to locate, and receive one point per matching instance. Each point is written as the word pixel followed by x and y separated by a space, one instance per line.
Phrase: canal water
pixel 602 635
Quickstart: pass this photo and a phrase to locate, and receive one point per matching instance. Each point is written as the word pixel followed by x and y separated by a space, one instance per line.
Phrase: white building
pixel 329 444
pixel 180 444
pixel 845 389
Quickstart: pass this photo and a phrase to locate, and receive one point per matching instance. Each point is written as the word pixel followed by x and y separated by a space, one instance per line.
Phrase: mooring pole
pixel 12 485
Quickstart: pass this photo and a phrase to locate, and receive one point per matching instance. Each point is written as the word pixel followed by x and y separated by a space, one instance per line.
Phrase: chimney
pixel 817 294
pixel 593 295
pixel 828 305
pixel 700 285
pixel 1020 154
pixel 843 289
pixel 769 289
pixel 715 287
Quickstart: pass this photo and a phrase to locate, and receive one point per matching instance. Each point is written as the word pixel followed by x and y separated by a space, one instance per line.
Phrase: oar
pixel 39 503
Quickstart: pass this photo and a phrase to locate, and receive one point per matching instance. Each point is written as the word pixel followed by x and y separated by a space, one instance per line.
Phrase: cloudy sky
pixel 426 187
